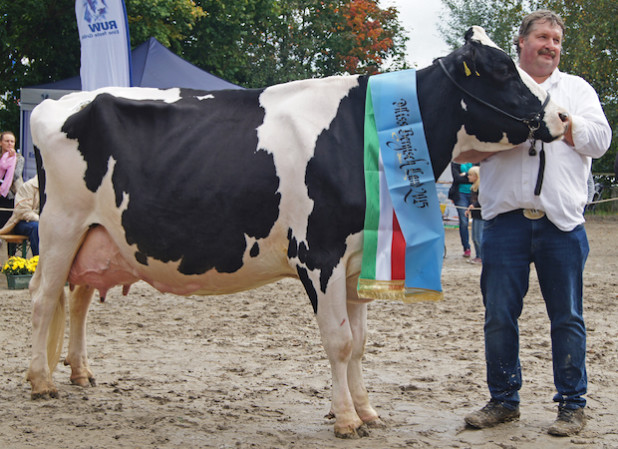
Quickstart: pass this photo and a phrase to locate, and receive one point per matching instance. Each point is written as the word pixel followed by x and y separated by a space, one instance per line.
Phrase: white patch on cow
pixel 296 114
pixel 479 35
pixel 76 101
pixel 205 97
pixel 466 142
pixel 464 106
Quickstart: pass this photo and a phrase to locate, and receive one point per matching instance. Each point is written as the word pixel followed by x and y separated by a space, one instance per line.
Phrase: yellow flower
pixel 19 265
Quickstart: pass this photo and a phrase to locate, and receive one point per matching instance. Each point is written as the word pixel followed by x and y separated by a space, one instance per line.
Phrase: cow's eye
pixel 502 72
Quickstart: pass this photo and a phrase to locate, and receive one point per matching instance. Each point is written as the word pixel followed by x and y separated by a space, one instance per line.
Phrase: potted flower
pixel 19 271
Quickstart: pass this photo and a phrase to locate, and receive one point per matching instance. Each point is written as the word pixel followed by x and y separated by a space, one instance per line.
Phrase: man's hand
pixel 568 134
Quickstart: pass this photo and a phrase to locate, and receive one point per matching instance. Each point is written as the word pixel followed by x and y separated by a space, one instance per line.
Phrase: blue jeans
pixel 510 243
pixel 477 236
pixel 31 229
pixel 462 204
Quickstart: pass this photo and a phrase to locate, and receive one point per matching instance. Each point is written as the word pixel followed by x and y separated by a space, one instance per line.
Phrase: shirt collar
pixel 552 80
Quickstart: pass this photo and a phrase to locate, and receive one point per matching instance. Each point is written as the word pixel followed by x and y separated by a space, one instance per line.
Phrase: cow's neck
pixel 439 106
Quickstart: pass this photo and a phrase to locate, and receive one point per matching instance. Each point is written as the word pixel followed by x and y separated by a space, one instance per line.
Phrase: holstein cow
pixel 217 192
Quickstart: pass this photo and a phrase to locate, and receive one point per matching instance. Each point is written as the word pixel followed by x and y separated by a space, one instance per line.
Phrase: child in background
pixel 474 211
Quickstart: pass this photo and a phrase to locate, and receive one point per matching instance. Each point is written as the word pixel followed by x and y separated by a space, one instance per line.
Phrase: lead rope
pixel 539 177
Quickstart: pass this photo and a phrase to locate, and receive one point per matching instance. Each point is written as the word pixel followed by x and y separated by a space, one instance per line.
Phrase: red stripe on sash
pixel 398 252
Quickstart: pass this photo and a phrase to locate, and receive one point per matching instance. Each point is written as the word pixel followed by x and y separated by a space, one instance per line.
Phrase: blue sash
pixel 410 179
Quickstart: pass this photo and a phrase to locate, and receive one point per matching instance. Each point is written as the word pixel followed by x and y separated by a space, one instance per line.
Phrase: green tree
pixel 39 42
pixel 499 18
pixel 271 41
pixel 590 47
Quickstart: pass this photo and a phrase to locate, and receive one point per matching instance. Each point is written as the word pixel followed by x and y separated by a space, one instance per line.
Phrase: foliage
pixel 252 43
pixel 261 43
pixel 500 18
pixel 39 42
pixel 590 47
pixel 19 265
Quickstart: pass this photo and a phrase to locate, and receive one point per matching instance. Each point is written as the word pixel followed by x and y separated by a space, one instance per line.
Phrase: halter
pixel 533 123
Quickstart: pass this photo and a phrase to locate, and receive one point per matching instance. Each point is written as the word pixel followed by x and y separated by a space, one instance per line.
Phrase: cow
pixel 217 192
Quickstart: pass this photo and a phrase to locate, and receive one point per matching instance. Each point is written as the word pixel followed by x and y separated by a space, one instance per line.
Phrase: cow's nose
pixel 563 116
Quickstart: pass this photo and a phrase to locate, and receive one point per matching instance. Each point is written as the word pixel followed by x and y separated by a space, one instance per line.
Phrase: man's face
pixel 540 50
pixel 8 143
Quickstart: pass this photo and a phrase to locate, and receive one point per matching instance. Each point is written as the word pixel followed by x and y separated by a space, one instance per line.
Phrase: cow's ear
pixel 468 62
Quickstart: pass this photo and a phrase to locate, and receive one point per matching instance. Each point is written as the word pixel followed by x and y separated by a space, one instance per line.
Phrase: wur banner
pixel 105 44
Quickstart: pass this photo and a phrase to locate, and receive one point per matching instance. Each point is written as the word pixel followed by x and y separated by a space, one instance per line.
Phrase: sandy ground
pixel 248 370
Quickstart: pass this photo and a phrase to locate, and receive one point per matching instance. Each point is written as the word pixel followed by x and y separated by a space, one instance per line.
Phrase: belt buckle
pixel 533 214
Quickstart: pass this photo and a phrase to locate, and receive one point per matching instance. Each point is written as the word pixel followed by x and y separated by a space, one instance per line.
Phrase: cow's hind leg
pixel 77 355
pixel 48 321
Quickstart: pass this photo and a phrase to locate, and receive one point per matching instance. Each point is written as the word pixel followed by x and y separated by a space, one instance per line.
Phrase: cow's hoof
pixel 44 395
pixel 84 381
pixel 352 434
pixel 376 423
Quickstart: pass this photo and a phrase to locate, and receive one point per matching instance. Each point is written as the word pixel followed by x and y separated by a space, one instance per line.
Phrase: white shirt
pixel 508 178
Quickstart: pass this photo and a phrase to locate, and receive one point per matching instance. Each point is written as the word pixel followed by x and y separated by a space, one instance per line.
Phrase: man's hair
pixel 541 15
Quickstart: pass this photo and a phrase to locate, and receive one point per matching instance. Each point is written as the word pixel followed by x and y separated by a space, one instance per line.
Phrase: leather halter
pixel 533 122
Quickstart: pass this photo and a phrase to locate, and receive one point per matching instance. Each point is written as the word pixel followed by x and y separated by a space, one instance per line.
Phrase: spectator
pixel 474 212
pixel 25 217
pixel 459 193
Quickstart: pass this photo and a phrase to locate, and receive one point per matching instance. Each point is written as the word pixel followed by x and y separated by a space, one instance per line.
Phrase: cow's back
pixel 219 191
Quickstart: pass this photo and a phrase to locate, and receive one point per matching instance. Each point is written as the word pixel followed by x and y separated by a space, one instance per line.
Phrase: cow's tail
pixel 55 335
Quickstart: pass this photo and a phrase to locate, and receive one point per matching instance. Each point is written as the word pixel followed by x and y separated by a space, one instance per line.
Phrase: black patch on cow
pixel 292 246
pixel 40 172
pixel 336 184
pixel 309 288
pixel 141 258
pixel 255 250
pixel 196 181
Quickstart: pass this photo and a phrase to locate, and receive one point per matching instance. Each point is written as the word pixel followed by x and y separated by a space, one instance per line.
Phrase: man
pixel 535 214
pixel 25 217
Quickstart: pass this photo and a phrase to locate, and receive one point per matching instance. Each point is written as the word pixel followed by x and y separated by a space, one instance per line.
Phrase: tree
pixel 590 47
pixel 39 42
pixel 499 18
pixel 271 41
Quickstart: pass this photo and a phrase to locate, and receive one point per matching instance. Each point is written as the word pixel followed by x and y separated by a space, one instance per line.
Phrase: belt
pixel 530 214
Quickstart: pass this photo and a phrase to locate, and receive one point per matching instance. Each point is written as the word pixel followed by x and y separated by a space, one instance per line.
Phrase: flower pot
pixel 18 281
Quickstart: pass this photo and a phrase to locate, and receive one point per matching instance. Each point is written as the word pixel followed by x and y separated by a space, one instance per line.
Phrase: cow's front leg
pixel 338 342
pixel 357 313
pixel 77 355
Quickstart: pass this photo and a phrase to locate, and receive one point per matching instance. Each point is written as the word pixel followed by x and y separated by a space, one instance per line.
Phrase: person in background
pixel 11 168
pixel 25 217
pixel 535 215
pixel 459 193
pixel 474 212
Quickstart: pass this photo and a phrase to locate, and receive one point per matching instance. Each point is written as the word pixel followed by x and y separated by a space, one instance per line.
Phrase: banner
pixel 105 43
pixel 403 235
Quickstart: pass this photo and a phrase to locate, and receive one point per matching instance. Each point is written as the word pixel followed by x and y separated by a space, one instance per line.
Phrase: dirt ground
pixel 248 370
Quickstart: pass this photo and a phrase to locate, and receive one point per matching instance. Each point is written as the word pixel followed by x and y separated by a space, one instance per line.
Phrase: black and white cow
pixel 217 192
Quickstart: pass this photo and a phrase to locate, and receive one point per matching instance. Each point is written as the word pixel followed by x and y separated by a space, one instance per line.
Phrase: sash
pixel 404 236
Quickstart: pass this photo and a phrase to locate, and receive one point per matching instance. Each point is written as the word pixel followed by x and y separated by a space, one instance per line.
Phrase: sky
pixel 420 19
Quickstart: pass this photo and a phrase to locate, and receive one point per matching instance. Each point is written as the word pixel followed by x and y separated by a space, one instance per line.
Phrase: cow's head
pixel 499 105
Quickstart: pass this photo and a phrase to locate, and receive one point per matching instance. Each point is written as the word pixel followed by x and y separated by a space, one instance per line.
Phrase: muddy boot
pixel 569 422
pixel 490 415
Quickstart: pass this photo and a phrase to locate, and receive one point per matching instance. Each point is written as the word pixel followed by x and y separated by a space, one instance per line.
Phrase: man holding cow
pixel 533 199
